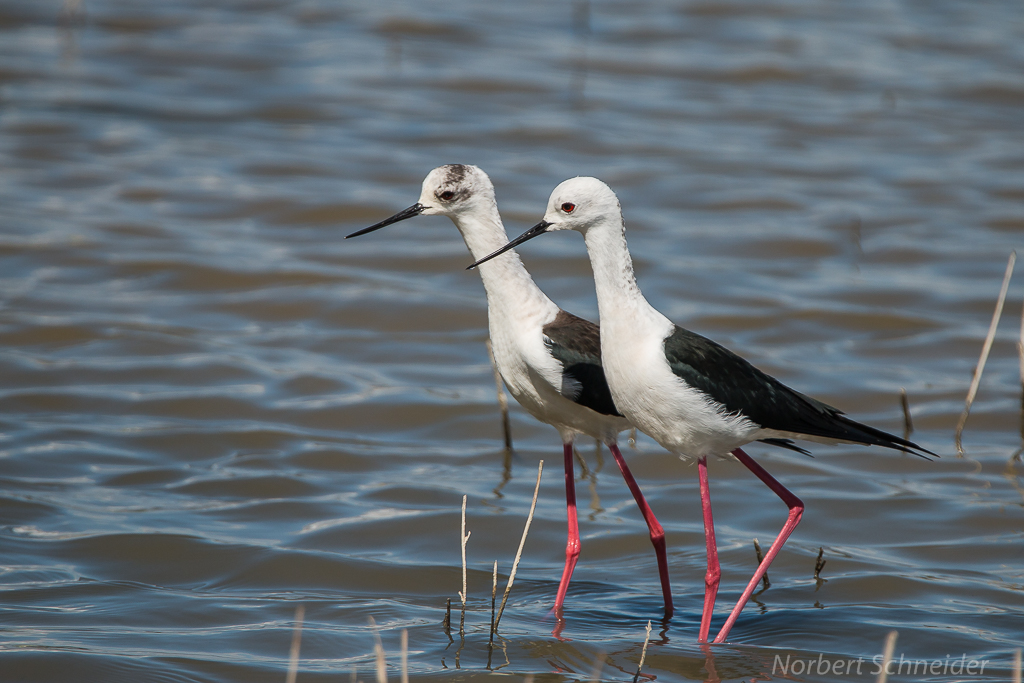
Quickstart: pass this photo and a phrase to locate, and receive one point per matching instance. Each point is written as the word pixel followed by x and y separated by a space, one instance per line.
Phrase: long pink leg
pixel 572 546
pixel 796 510
pixel 714 572
pixel 657 532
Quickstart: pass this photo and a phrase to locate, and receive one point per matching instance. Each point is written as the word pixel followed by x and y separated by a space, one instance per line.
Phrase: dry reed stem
pixel 378 651
pixel 522 542
pixel 293 660
pixel 1020 359
pixel 595 674
pixel 462 593
pixel 890 647
pixel 976 380
pixel 643 653
pixel 494 594
pixel 1017 666
pixel 506 425
pixel 405 655
pixel 760 559
pixel 908 424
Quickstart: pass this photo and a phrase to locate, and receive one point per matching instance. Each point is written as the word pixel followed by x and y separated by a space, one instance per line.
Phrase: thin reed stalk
pixel 643 653
pixel 1017 666
pixel 462 594
pixel 1020 360
pixel 887 650
pixel 405 655
pixel 976 380
pixel 595 673
pixel 494 593
pixel 378 651
pixel 522 542
pixel 293 660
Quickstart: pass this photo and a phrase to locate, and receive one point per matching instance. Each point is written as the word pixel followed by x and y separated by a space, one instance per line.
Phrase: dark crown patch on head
pixel 454 182
pixel 456 174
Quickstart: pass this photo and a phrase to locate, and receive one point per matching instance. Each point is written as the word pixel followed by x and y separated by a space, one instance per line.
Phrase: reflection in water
pixel 499 385
pixel 71 18
pixel 595 500
pixel 504 652
pixel 591 477
pixel 709 664
pixel 1011 474
pixel 581 39
pixel 506 472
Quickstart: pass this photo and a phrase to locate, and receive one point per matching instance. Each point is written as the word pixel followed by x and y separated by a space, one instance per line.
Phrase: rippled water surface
pixel 213 409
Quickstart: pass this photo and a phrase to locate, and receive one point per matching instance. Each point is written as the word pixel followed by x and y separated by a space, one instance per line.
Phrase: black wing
pixel 743 389
pixel 787 443
pixel 576 344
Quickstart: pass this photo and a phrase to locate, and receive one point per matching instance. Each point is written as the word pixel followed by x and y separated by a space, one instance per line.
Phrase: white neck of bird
pixel 506 280
pixel 620 302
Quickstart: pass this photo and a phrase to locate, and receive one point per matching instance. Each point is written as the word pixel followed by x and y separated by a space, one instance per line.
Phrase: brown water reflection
pixel 212 409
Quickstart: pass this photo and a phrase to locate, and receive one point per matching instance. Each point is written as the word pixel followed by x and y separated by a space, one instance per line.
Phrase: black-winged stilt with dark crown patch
pixel 549 359
pixel 691 395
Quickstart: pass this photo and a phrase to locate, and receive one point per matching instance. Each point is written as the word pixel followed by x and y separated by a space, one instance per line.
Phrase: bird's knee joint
pixel 712 577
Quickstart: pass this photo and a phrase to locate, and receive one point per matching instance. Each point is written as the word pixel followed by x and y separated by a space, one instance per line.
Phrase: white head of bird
pixel 580 204
pixel 454 190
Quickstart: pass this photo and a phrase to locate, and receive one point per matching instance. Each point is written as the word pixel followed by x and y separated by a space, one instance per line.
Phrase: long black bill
pixel 414 210
pixel 535 231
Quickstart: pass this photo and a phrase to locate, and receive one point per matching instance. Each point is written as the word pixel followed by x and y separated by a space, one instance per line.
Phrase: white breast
pixel 681 418
pixel 534 377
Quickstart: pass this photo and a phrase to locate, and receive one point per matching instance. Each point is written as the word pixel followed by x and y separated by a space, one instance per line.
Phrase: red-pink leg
pixel 657 532
pixel 796 510
pixel 714 572
pixel 572 546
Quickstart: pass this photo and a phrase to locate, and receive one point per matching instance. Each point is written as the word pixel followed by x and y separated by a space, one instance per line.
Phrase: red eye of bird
pixel 447 194
pixel 568 207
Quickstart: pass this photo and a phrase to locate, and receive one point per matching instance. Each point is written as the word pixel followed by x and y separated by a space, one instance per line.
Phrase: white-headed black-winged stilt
pixel 549 359
pixel 691 395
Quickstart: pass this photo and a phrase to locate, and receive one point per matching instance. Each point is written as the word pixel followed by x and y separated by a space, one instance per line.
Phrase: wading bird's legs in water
pixel 714 572
pixel 796 510
pixel 657 532
pixel 572 546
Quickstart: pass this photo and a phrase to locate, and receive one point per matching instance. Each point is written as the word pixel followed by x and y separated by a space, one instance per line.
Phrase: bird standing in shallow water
pixel 549 359
pixel 691 395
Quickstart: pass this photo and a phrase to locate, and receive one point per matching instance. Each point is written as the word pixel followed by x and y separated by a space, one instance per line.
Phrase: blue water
pixel 213 409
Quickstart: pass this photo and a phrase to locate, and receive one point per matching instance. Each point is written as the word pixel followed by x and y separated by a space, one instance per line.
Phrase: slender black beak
pixel 535 231
pixel 414 210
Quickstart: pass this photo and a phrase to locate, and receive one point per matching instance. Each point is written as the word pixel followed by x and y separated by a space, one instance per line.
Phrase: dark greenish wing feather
pixel 576 344
pixel 743 389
